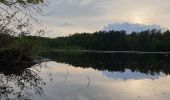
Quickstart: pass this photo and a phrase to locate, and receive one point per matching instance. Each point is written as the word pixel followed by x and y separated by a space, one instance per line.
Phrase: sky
pixel 66 17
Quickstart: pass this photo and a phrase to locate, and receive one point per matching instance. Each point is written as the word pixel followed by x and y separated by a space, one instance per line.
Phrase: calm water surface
pixel 89 76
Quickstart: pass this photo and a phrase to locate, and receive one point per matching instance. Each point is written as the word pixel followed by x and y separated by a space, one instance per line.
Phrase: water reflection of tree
pixel 20 84
pixel 144 63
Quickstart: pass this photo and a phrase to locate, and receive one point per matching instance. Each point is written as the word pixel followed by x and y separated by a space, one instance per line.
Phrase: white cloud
pixel 129 28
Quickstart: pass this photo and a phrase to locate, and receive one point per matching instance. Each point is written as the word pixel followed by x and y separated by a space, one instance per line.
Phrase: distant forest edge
pixel 145 41
pixel 24 48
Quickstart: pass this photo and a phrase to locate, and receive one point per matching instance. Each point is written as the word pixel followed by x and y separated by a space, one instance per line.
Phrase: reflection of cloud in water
pixel 101 88
pixel 128 74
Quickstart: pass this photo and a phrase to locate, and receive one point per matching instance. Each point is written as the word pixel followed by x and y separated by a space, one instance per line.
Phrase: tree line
pixel 149 40
pixel 17 48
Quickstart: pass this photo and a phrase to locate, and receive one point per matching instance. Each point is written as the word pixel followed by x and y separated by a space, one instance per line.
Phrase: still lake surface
pixel 90 76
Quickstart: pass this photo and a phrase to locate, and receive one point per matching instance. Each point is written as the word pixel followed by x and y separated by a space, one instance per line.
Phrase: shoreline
pixel 98 51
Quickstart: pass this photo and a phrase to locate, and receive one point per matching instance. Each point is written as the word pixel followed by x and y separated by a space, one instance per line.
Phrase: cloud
pixel 74 8
pixel 92 15
pixel 128 74
pixel 129 28
pixel 65 24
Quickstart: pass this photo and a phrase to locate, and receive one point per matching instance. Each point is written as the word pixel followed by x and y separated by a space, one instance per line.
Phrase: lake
pixel 90 76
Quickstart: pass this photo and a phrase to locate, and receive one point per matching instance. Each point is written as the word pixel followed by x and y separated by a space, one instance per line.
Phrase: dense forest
pixel 23 48
pixel 149 40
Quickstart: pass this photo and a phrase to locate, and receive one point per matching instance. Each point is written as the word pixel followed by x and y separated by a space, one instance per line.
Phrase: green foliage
pixel 5 40
pixel 18 48
pixel 24 47
pixel 149 40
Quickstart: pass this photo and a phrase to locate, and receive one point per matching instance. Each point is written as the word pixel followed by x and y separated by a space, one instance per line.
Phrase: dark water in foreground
pixel 90 76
